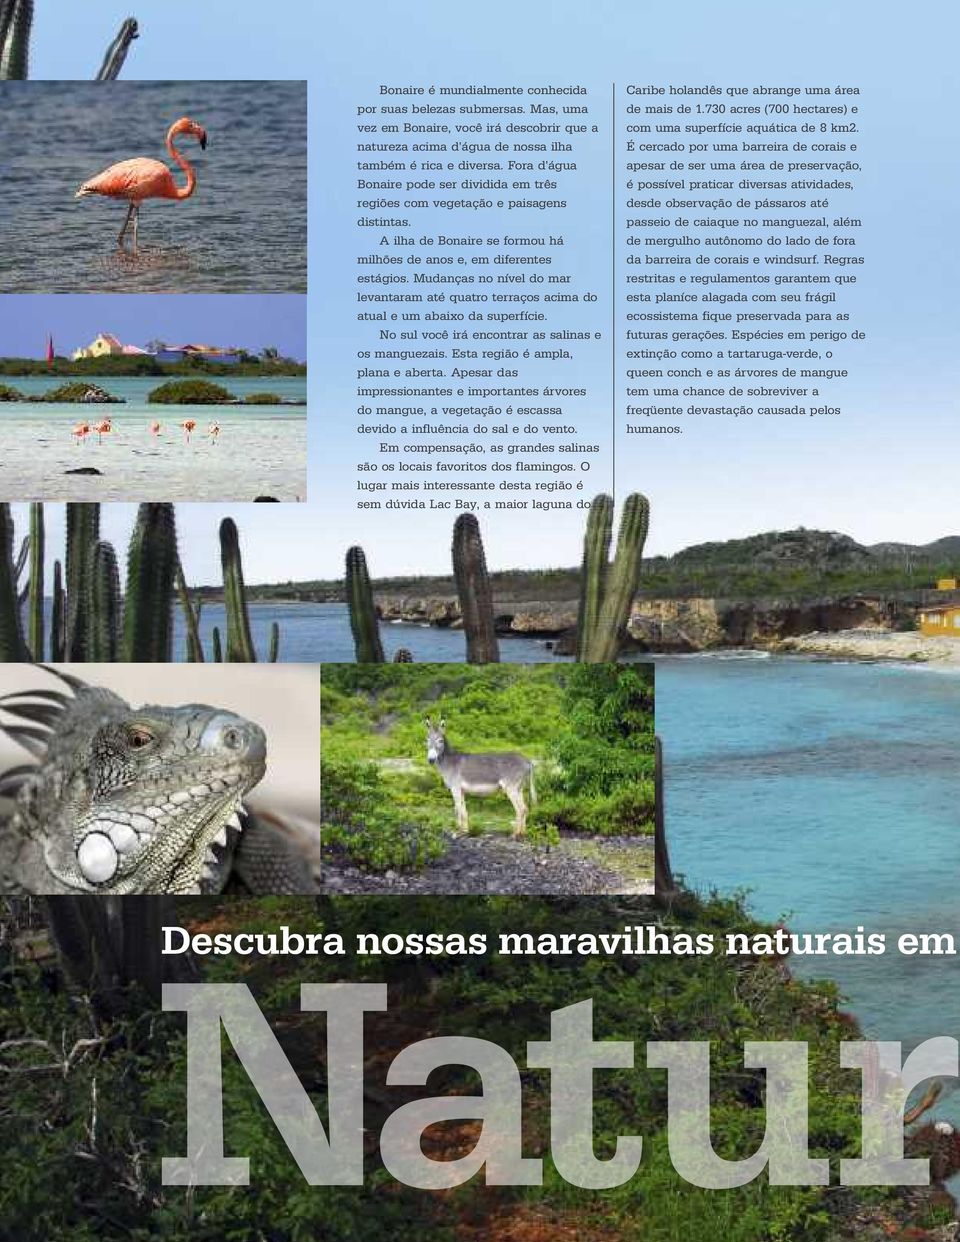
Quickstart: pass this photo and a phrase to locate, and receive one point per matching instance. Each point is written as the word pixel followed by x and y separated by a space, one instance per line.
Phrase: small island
pixel 174 392
pixel 203 392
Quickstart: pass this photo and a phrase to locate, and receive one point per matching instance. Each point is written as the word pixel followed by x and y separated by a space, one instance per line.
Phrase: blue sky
pixel 887 470
pixel 248 321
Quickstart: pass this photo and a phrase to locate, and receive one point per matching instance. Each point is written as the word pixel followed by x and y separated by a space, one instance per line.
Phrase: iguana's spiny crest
pixel 127 800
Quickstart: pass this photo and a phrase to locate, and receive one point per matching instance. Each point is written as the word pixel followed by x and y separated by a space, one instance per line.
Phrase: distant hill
pixel 790 564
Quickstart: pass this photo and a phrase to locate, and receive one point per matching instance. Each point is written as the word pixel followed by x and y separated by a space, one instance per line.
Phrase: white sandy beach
pixel 875 645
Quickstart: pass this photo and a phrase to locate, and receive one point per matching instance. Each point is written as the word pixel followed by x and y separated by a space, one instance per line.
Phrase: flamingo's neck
pixel 182 191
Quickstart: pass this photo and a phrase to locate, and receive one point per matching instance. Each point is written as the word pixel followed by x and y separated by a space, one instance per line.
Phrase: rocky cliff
pixel 692 624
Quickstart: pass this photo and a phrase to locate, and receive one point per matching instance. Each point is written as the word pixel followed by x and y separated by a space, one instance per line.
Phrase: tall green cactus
pixel 35 597
pixel 16 21
pixel 240 648
pixel 148 602
pixel 217 645
pixel 83 534
pixel 12 645
pixel 602 643
pixel 474 590
pixel 363 612
pixel 58 617
pixel 593 572
pixel 191 619
pixel 103 605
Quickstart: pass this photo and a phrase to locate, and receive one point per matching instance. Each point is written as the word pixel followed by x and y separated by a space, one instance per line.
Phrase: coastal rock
pixel 442 612
pixel 699 624
pixel 84 470
pixel 670 624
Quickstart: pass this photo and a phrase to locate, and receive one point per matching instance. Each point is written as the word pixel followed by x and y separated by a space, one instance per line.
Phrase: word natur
pixel 570 1054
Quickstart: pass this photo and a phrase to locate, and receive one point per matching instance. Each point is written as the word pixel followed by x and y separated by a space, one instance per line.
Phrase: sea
pixel 261 450
pixel 243 230
pixel 826 792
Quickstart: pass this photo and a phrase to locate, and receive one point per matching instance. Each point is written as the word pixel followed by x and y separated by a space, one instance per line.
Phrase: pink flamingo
pixel 188 425
pixel 80 432
pixel 213 431
pixel 156 428
pixel 103 428
pixel 141 178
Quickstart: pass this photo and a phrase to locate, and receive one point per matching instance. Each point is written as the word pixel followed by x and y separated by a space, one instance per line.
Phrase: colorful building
pixel 209 353
pixel 105 345
pixel 940 620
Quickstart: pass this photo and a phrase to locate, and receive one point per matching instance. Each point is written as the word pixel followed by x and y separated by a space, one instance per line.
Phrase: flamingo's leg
pixel 136 227
pixel 126 224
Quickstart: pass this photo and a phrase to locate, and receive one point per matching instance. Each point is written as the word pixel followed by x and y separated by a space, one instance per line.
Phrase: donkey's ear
pixel 442 724
pixel 426 721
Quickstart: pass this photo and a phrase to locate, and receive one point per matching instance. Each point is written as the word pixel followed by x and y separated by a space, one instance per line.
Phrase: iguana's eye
pixel 138 737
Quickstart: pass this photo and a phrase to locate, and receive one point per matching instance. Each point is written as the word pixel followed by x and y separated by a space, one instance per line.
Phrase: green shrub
pixel 74 393
pixel 365 823
pixel 261 398
pixel 189 392
pixel 7 393
pixel 626 812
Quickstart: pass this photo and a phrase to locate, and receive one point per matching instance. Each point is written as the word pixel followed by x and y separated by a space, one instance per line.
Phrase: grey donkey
pixel 481 774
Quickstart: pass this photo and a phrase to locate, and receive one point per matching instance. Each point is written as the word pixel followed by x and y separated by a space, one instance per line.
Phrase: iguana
pixel 126 800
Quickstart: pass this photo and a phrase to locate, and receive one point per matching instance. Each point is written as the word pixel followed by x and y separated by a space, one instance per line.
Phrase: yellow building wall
pixel 944 624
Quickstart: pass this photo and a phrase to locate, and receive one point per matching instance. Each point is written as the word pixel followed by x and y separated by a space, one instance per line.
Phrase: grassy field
pixel 386 806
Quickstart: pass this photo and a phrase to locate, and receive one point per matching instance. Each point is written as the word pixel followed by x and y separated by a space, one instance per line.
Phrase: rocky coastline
pixel 669 625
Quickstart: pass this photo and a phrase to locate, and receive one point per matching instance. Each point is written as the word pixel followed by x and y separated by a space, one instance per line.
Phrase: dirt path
pixel 496 864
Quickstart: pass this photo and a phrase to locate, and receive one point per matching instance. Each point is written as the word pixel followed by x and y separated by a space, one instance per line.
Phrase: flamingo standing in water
pixel 80 432
pixel 188 425
pixel 103 428
pixel 213 431
pixel 141 178
pixel 156 428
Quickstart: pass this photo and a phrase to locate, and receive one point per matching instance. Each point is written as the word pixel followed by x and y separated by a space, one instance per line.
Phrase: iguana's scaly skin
pixel 124 800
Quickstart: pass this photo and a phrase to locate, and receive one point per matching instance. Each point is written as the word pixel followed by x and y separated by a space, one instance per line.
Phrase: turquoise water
pixel 134 389
pixel 829 790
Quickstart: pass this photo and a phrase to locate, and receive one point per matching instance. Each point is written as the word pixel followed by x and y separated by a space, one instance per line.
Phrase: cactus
pixel 240 647
pixel 473 588
pixel 85 617
pixel 593 573
pixel 16 20
pixel 603 642
pixel 58 617
pixel 402 656
pixel 191 619
pixel 83 534
pixel 103 605
pixel 12 645
pixel 116 53
pixel 217 646
pixel 35 597
pixel 363 613
pixel 148 603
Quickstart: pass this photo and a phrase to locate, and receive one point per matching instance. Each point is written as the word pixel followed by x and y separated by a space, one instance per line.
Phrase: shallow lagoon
pixel 261 449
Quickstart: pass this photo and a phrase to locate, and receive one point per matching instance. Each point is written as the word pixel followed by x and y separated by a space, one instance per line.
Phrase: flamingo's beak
pixel 203 139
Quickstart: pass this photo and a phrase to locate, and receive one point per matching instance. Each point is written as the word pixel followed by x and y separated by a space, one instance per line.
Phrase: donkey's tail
pixel 533 788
